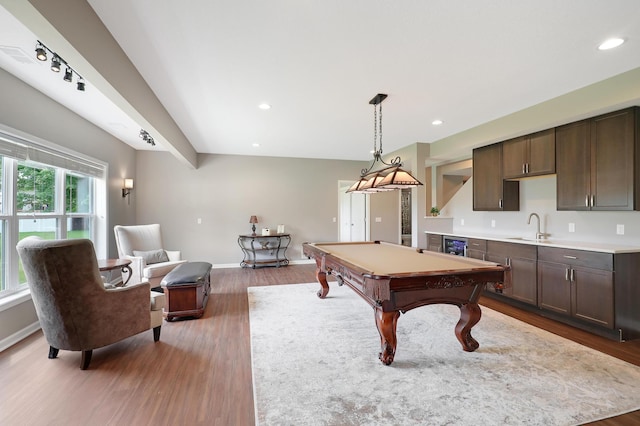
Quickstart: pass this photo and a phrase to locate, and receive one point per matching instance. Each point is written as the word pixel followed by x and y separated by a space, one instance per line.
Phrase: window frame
pixel 18 148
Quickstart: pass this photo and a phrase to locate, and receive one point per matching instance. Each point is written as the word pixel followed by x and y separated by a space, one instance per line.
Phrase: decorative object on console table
pixel 435 211
pixel 264 250
pixel 253 220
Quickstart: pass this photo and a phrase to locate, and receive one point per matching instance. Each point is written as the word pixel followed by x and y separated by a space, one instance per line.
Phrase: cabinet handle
pixel 566 274
pixel 527 168
pixel 593 200
pixel 524 169
pixel 500 203
pixel 572 275
pixel 586 201
pixel 566 256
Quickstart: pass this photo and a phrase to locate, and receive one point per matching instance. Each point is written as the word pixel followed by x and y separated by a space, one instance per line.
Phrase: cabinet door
pixel 612 147
pixel 554 289
pixel 593 296
pixel 542 153
pixel 524 279
pixel 477 248
pixel 573 166
pixel 490 191
pixel 515 156
pixel 434 242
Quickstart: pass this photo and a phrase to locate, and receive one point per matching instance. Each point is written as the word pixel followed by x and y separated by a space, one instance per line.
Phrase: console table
pixel 264 250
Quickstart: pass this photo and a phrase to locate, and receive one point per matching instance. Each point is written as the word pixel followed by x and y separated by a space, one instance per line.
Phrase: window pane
pixel 43 228
pixel 1 191
pixel 36 189
pixel 78 227
pixel 78 194
pixel 3 268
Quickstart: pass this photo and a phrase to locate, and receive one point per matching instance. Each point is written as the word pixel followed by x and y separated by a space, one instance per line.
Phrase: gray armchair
pixel 142 244
pixel 75 310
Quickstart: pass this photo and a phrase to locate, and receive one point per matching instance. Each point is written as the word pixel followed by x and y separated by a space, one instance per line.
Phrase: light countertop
pixel 574 245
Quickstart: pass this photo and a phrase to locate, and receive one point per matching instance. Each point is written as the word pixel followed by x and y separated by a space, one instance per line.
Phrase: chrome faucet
pixel 539 235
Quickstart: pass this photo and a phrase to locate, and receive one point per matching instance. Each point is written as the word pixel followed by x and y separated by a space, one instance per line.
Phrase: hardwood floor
pixel 198 374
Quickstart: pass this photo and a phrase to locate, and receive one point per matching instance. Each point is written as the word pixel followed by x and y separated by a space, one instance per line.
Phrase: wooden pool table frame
pixel 392 294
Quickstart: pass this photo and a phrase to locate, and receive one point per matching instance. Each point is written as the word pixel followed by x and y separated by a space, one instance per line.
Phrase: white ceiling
pixel 318 64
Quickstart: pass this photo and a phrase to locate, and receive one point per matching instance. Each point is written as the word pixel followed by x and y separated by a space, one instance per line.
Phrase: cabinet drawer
pixel 590 259
pixel 512 250
pixel 477 244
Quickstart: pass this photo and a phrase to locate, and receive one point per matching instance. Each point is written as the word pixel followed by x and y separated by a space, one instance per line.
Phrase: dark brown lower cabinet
pixel 522 258
pixel 583 293
pixel 434 242
pixel 566 286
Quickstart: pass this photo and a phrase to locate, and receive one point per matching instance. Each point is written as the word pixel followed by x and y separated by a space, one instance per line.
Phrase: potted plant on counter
pixel 435 211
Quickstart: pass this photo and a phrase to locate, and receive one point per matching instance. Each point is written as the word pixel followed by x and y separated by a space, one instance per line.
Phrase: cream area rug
pixel 315 362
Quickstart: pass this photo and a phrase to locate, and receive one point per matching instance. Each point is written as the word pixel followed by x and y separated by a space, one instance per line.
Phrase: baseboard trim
pixel 19 335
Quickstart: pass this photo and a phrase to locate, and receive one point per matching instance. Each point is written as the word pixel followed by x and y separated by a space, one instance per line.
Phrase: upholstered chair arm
pixel 173 255
pixel 122 312
pixel 137 267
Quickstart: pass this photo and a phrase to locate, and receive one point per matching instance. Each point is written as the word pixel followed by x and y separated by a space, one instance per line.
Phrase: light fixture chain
pixel 375 129
pixel 380 125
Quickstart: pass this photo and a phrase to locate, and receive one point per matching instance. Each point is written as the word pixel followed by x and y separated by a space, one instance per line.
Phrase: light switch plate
pixel 572 227
pixel 493 223
pixel 620 229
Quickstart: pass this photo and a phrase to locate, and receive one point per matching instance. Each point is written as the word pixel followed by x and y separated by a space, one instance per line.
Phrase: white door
pixel 353 214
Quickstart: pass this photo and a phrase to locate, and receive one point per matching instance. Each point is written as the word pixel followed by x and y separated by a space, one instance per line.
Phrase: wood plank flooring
pixel 198 374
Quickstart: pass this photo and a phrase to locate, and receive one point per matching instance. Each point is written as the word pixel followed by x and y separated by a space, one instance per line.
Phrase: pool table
pixel 394 279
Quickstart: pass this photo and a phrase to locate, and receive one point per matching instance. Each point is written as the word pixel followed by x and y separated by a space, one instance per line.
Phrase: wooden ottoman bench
pixel 187 290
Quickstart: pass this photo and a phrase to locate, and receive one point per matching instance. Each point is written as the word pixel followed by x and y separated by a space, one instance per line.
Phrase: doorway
pixel 354 214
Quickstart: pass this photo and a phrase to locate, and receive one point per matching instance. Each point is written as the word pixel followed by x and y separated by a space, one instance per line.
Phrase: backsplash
pixel 538 195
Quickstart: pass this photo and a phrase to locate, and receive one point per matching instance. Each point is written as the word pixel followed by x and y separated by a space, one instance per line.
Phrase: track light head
pixel 68 75
pixel 41 53
pixel 55 64
pixel 81 85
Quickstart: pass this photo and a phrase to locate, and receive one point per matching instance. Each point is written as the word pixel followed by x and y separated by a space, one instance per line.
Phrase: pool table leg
pixel 321 276
pixel 470 314
pixel 386 323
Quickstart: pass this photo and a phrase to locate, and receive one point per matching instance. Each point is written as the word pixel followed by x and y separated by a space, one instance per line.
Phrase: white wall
pixel 539 195
pixel 226 190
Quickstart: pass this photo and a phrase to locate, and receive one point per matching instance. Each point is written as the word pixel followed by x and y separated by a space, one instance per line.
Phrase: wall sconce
pixel 126 190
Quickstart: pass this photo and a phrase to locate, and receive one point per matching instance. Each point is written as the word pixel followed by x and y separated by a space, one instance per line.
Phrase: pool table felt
pixel 390 259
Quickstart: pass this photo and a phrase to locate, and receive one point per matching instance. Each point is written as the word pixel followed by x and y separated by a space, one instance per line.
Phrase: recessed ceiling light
pixel 437 122
pixel 611 43
pixel 264 106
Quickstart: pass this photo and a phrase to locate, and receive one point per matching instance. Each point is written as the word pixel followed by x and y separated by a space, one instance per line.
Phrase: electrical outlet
pixel 378 219
pixel 199 221
pixel 461 222
pixel 493 223
pixel 334 220
pixel 620 229
pixel 572 227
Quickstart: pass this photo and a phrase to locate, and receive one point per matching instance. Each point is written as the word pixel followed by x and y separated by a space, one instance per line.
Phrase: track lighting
pixel 56 64
pixel 145 136
pixel 41 52
pixel 68 75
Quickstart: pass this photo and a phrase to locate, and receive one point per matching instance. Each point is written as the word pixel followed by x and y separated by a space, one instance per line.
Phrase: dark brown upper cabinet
pixel 596 162
pixel 531 155
pixel 490 190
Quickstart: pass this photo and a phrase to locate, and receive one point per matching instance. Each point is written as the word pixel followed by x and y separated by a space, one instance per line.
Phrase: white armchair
pixel 142 244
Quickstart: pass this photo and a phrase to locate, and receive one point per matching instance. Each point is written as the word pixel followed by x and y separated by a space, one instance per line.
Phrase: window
pixel 46 192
